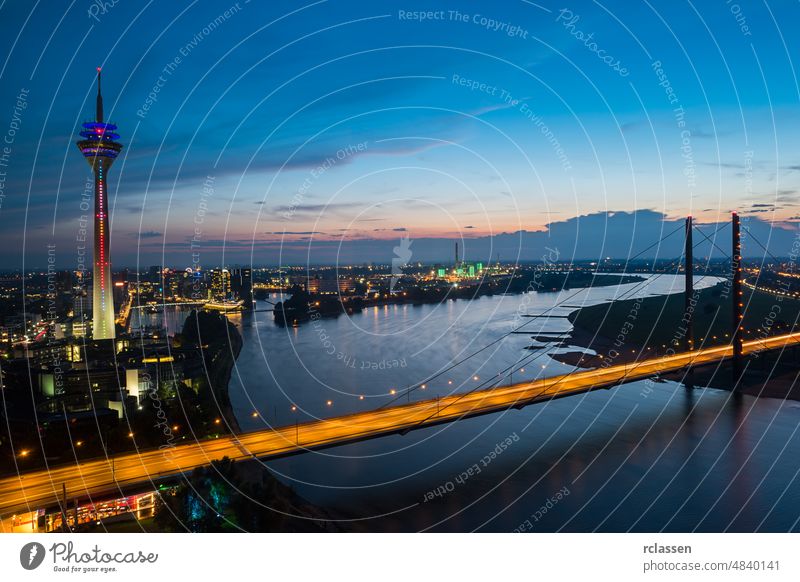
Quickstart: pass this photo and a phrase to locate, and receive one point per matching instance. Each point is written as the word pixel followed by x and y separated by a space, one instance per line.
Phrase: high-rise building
pixel 172 283
pixel 242 285
pixel 120 279
pixel 220 284
pixel 100 148
pixel 81 307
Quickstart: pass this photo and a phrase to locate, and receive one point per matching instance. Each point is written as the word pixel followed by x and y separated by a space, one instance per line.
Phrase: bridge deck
pixel 43 488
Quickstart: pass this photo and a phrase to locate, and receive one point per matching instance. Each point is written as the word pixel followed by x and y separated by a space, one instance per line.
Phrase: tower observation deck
pixel 100 148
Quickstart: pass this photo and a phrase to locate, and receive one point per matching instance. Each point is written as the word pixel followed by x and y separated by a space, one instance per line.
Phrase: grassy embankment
pixel 654 324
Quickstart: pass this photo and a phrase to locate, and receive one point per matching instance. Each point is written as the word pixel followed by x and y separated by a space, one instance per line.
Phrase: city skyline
pixel 400 267
pixel 572 240
pixel 508 135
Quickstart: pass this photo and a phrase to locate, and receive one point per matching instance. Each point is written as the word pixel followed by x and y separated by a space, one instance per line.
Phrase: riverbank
pixel 219 343
pixel 303 306
pixel 635 329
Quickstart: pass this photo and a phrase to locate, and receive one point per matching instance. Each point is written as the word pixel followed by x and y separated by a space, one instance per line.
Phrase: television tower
pixel 100 148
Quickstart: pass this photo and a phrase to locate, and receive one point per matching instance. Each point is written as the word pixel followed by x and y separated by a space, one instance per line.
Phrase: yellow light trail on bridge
pixel 91 478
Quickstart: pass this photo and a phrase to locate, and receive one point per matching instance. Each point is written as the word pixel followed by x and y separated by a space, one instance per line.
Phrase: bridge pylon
pixel 738 299
pixel 688 292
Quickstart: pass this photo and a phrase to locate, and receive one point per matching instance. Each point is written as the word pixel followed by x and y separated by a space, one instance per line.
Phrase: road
pixel 43 488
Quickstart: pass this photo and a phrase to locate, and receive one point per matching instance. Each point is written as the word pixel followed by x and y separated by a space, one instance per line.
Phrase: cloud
pixel 296 232
pixel 628 126
pixel 316 208
pixel 614 233
pixel 147 234
pixel 703 134
pixel 735 166
pixel 787 195
pixel 470 226
pixel 497 107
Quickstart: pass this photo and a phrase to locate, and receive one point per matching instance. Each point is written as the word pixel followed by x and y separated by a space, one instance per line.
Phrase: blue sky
pixel 341 121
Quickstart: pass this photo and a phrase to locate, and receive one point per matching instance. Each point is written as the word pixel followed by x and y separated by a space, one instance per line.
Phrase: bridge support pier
pixel 738 300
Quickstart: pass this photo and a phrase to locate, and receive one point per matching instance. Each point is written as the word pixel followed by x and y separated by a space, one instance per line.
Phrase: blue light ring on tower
pixel 95 150
pixel 99 131
pixel 99 140
pixel 95 125
pixel 99 137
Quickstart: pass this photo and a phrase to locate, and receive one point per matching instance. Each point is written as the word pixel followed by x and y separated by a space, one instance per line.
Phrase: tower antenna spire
pixel 99 115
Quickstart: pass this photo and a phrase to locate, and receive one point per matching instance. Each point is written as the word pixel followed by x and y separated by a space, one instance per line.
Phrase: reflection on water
pixel 369 359
pixel 646 459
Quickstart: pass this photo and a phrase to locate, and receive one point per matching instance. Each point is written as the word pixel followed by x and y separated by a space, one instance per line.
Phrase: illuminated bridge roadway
pixel 95 477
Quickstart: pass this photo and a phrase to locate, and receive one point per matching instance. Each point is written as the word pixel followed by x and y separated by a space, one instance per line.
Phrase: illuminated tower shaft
pixel 100 149
pixel 102 300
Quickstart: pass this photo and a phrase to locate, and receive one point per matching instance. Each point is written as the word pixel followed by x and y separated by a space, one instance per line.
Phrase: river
pixel 640 457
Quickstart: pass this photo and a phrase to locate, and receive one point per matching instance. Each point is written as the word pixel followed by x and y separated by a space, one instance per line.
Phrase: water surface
pixel 639 457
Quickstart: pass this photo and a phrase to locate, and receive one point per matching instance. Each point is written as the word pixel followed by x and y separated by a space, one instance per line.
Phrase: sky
pixel 295 132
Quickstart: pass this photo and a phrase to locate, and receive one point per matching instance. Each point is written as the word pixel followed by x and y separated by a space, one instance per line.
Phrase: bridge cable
pixel 561 302
pixel 475 353
pixel 408 391
pixel 766 250
pixel 633 290
pixel 704 235
pixel 521 363
pixel 528 360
